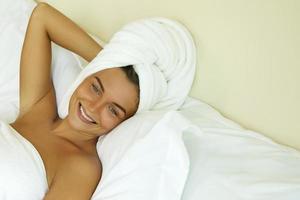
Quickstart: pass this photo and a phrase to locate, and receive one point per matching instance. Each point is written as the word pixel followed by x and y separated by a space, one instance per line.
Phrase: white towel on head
pixel 162 52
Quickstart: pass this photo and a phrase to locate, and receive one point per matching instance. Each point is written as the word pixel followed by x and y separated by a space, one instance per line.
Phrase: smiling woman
pixel 148 65
pixel 101 102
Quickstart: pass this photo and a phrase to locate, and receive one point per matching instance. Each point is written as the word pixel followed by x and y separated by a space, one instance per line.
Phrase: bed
pixel 242 114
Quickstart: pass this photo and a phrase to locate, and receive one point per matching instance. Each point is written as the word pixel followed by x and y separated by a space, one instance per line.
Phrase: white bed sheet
pixel 229 162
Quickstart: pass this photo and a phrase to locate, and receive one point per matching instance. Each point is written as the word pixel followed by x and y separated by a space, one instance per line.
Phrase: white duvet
pixel 22 172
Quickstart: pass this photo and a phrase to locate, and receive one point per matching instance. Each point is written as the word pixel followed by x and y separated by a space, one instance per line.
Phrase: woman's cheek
pixel 83 90
pixel 108 122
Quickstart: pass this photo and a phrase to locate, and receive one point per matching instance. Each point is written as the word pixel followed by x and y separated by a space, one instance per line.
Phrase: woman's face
pixel 102 101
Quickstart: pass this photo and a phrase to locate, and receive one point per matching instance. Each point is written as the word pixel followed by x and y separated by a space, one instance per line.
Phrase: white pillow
pixel 144 158
pixel 13 21
pixel 230 163
pixel 65 68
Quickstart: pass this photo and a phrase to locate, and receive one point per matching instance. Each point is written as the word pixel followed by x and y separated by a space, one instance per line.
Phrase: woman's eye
pixel 112 110
pixel 96 89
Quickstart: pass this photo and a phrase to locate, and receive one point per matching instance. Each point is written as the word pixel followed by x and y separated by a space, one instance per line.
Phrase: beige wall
pixel 248 51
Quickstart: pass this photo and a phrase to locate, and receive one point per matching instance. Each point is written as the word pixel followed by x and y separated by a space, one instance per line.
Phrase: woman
pixel 101 102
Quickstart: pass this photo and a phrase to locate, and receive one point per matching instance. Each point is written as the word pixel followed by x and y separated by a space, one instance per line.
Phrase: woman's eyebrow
pixel 120 107
pixel 100 83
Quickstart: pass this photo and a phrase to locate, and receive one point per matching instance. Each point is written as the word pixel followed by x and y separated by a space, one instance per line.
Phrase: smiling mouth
pixel 84 116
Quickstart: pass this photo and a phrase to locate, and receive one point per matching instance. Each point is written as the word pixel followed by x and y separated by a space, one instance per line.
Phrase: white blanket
pixel 22 172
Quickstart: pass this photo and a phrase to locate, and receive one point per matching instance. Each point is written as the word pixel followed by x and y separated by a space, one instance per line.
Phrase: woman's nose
pixel 96 105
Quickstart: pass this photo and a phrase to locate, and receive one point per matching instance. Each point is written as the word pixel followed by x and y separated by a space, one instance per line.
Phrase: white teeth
pixel 85 115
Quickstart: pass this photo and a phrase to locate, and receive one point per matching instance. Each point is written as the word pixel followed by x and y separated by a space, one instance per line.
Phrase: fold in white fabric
pixel 162 52
pixel 22 171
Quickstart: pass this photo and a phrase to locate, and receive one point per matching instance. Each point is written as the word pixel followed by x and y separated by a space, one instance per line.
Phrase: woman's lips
pixel 83 115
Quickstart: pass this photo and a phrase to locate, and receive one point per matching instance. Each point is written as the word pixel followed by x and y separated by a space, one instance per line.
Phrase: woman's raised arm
pixel 46 24
pixel 66 33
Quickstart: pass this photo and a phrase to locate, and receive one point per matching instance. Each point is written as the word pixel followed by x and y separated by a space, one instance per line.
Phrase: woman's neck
pixel 62 128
